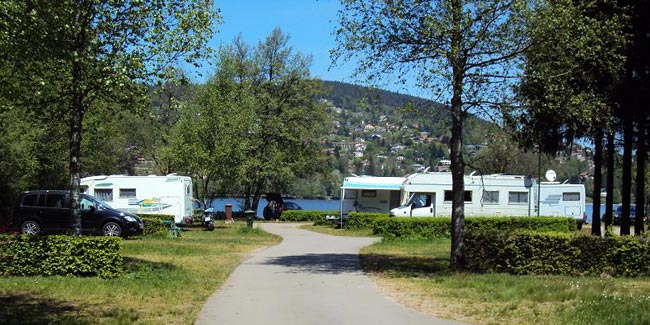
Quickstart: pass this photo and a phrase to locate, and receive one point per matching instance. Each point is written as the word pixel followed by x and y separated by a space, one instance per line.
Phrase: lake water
pixel 589 208
pixel 237 204
pixel 308 204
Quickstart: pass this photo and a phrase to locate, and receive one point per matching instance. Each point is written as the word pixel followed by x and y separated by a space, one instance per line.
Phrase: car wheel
pixel 30 227
pixel 111 229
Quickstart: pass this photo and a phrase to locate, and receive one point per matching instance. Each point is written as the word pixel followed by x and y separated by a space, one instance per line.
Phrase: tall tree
pixel 634 99
pixel 103 45
pixel 568 88
pixel 283 144
pixel 464 51
pixel 255 125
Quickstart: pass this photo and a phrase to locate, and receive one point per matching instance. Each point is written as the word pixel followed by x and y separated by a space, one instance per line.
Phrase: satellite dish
pixel 550 175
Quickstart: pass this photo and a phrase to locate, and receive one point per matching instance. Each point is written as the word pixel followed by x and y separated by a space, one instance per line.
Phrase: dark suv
pixel 48 212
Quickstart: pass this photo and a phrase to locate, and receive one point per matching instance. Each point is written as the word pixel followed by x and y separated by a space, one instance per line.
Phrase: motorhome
pixel 370 194
pixel 430 195
pixel 152 194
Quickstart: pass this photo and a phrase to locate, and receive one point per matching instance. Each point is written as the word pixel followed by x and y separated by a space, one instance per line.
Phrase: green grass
pixel 416 273
pixel 166 281
pixel 331 230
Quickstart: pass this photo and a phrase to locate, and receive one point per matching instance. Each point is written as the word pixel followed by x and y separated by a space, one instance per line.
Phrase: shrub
pixel 364 220
pixel 316 216
pixel 437 227
pixel 153 226
pixel 556 253
pixel 60 255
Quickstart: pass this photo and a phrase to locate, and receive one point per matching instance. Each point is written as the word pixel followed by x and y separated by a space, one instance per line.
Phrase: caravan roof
pixel 372 183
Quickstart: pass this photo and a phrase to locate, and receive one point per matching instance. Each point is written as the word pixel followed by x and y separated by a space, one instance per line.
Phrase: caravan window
pixel 517 197
pixel 369 193
pixel 571 196
pixel 490 197
pixel 104 194
pixel 449 196
pixel 126 193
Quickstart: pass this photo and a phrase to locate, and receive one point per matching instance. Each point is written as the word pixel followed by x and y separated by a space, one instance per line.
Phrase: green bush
pixel 153 223
pixel 556 253
pixel 440 227
pixel 364 220
pixel 60 255
pixel 316 216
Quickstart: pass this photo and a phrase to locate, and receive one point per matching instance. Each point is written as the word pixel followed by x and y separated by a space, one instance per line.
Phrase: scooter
pixel 208 219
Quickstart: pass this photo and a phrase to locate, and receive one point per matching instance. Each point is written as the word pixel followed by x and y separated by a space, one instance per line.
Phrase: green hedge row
pixel 316 216
pixel 556 253
pixel 153 223
pixel 440 227
pixel 60 255
pixel 364 220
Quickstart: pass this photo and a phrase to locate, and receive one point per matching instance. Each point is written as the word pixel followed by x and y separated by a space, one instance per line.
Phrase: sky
pixel 310 25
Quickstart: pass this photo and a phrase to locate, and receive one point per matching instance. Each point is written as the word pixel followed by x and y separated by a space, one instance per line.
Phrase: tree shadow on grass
pixel 132 265
pixel 30 309
pixel 404 266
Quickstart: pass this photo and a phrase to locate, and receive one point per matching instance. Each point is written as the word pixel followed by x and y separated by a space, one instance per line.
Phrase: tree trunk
pixel 598 177
pixel 457 164
pixel 641 154
pixel 626 184
pixel 609 199
pixel 78 107
pixel 75 156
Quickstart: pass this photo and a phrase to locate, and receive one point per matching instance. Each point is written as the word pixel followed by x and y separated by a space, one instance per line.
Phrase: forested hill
pixel 354 97
pixel 357 105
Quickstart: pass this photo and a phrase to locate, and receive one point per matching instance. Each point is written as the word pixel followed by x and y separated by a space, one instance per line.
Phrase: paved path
pixel 309 278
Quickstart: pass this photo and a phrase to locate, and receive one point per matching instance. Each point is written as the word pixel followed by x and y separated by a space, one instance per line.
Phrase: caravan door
pixel 423 205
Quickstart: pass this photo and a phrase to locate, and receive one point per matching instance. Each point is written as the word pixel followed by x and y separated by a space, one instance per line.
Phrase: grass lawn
pixel 166 281
pixel 415 273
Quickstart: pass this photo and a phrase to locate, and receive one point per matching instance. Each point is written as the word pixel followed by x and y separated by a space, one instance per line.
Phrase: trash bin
pixel 229 214
pixel 250 215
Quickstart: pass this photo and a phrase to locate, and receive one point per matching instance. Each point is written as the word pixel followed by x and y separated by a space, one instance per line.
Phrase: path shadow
pixel 319 263
pixel 30 309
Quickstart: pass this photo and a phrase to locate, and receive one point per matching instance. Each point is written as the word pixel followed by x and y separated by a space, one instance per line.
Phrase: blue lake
pixel 589 208
pixel 309 204
pixel 237 204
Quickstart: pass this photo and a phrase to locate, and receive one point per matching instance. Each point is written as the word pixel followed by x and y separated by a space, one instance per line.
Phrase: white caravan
pixel 370 194
pixel 430 194
pixel 171 194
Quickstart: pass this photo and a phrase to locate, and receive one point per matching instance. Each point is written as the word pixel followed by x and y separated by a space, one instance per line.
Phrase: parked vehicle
pixel 208 219
pixel 370 194
pixel 152 194
pixel 430 195
pixel 618 215
pixel 288 205
pixel 274 207
pixel 48 212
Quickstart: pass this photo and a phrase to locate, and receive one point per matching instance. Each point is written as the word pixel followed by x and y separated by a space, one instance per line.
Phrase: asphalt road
pixel 309 278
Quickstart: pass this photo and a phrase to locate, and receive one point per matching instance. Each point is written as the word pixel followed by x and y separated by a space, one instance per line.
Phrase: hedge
pixel 364 220
pixel 316 216
pixel 556 253
pixel 153 223
pixel 440 227
pixel 60 255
